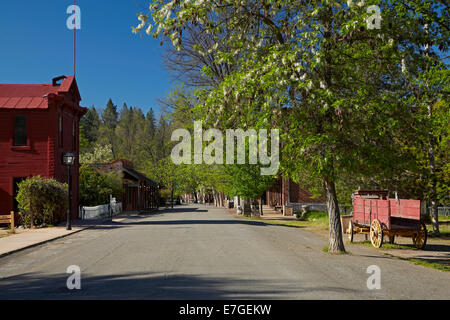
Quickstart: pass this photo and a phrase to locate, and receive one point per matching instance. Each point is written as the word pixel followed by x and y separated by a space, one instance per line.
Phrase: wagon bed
pixel 376 214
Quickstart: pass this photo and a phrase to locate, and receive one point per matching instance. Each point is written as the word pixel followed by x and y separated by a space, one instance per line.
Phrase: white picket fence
pixel 296 206
pixel 99 212
pixel 442 211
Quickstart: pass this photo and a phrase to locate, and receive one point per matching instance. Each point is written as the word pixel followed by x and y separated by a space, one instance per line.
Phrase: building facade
pixel 38 124
pixel 285 192
pixel 139 192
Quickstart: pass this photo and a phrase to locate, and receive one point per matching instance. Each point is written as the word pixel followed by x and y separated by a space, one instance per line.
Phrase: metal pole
pixel 69 211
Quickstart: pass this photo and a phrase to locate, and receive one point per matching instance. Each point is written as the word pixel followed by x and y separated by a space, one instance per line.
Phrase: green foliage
pixel 246 181
pixel 127 134
pixel 96 187
pixel 89 128
pixel 98 153
pixel 43 200
pixel 345 96
pixel 83 141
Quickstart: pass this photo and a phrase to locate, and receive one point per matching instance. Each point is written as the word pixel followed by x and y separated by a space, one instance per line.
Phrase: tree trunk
pixel 171 196
pixel 336 244
pixel 431 143
pixel 260 206
pixel 246 207
pixel 433 194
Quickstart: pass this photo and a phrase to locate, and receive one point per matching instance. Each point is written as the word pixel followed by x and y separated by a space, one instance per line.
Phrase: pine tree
pixel 91 124
pixel 109 124
pixel 150 123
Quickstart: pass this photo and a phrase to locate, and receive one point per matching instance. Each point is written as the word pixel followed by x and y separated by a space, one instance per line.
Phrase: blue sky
pixel 35 46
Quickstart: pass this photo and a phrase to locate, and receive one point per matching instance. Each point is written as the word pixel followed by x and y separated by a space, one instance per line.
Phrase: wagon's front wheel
pixel 420 238
pixel 376 233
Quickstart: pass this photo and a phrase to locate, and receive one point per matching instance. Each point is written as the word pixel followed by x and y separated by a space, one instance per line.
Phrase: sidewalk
pixel 27 238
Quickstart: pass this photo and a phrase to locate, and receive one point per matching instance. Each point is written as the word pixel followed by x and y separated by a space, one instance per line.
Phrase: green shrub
pixel 95 186
pixel 43 199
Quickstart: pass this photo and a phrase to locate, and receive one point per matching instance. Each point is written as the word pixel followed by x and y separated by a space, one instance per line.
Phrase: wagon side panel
pixel 359 211
pixel 395 207
pixel 381 208
pixel 410 209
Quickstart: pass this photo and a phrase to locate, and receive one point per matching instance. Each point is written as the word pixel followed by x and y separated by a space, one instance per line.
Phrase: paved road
pixel 199 252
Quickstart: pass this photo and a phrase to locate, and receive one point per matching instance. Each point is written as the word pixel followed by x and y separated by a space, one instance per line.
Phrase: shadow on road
pixel 432 253
pixel 177 222
pixel 183 209
pixel 144 220
pixel 153 286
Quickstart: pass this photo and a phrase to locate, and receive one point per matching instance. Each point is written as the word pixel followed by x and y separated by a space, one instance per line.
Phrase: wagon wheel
pixel 376 233
pixel 350 231
pixel 420 238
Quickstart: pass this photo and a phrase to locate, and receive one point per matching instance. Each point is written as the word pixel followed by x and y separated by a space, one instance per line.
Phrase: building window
pixel 20 130
pixel 60 131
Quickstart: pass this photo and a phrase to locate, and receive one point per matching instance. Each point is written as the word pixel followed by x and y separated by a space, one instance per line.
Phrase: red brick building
pixel 38 124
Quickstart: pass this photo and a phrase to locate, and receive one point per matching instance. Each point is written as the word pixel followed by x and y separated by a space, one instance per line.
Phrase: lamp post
pixel 69 160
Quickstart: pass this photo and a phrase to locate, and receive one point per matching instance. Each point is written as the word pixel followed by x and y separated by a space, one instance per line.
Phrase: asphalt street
pixel 202 252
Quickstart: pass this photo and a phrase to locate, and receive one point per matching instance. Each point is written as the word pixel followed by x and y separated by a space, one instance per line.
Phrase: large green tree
pixel 333 68
pixel 422 33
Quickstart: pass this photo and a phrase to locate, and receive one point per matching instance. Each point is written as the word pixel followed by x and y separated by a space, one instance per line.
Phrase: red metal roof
pixel 33 96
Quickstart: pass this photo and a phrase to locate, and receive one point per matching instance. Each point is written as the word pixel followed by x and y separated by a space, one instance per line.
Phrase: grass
pixel 444 230
pixel 387 245
pixel 327 249
pixel 433 265
pixel 315 220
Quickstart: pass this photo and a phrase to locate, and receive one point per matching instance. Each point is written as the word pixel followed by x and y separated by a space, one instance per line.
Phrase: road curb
pixel 49 240
pixel 42 242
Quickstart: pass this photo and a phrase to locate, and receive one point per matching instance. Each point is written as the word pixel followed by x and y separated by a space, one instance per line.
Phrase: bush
pixel 95 186
pixel 43 199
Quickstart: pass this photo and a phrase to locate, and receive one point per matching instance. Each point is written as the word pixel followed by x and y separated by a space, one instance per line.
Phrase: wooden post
pixel 12 222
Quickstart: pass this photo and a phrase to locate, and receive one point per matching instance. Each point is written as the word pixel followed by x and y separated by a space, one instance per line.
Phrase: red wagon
pixel 377 215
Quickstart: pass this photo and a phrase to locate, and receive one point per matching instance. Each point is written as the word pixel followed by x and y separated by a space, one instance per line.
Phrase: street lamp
pixel 69 160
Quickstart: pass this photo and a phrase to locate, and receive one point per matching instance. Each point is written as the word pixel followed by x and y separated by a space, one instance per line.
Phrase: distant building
pixel 139 192
pixel 286 192
pixel 38 124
